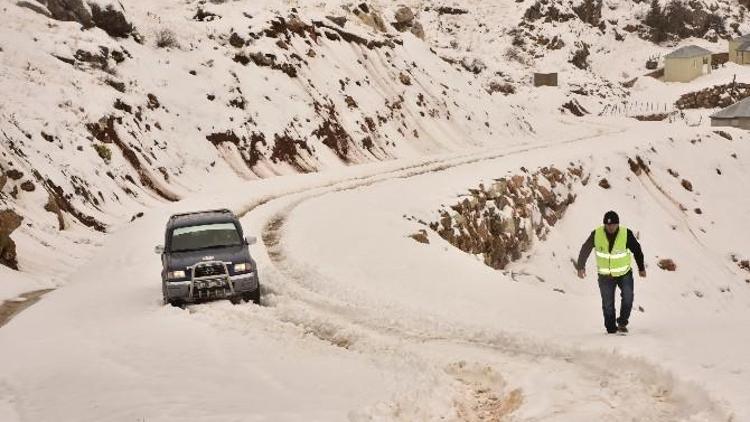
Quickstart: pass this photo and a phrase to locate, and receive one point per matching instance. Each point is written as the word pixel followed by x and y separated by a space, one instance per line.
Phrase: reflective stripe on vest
pixel 617 262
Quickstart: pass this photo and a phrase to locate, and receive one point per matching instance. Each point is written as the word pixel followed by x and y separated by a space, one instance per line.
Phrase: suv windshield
pixel 205 236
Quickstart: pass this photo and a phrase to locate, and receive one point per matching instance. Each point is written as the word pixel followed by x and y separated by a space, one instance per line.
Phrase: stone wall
pixel 501 221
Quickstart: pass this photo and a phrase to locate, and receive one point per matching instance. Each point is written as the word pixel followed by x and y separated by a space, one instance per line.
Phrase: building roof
pixel 738 109
pixel 688 51
pixel 743 38
pixel 745 46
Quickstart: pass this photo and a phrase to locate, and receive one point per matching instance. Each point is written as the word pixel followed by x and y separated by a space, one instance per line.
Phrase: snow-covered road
pixel 361 322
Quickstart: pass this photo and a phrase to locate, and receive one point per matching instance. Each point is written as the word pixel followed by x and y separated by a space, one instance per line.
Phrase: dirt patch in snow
pixel 11 308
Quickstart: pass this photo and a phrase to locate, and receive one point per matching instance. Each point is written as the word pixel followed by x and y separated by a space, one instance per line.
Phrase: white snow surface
pixel 358 321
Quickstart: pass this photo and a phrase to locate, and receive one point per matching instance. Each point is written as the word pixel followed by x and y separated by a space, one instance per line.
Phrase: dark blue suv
pixel 205 257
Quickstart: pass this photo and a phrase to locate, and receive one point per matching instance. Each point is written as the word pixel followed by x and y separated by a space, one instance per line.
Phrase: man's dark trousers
pixel 607 287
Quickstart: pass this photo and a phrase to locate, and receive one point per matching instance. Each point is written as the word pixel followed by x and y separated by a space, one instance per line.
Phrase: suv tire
pixel 253 296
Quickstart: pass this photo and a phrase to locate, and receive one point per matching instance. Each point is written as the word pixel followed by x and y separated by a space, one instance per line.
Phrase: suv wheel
pixel 253 296
pixel 176 303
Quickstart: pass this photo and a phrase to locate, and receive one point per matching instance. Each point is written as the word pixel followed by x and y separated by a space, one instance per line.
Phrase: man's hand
pixel 581 273
pixel 642 273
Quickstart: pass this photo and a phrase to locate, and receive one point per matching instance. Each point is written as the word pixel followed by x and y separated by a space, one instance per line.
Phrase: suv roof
pixel 201 217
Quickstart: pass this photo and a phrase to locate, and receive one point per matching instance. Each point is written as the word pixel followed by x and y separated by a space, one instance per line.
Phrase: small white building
pixel 739 50
pixel 686 63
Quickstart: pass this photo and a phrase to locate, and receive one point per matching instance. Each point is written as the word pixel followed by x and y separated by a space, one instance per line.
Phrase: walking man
pixel 614 246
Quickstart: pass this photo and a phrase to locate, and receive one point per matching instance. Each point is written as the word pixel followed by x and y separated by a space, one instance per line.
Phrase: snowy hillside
pixel 371 147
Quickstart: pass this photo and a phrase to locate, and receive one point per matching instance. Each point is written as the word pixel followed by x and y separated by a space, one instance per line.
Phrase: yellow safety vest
pixel 617 262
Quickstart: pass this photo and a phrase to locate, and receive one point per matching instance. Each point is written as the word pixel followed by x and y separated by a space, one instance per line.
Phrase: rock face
pixel 110 17
pixel 370 17
pixel 406 21
pixel 9 221
pixel 500 222
pixel 70 10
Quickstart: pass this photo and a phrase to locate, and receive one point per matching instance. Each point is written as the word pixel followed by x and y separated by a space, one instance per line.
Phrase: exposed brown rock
pixel 14 174
pixel 715 96
pixel 404 15
pixel 371 18
pixel 71 10
pixel 9 221
pixel 500 221
pixel 236 41
pixel 111 19
pixel 28 186
pixel 421 237
pixel 687 185
pixel 604 183
pixel 723 134
pixel 667 264
pixel 338 20
pixel 51 206
pixel 333 134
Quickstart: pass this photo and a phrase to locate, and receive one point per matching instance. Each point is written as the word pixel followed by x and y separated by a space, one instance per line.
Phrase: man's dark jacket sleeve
pixel 586 248
pixel 635 247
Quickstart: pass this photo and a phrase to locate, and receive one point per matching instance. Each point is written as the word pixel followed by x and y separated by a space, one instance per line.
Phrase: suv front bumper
pixel 209 288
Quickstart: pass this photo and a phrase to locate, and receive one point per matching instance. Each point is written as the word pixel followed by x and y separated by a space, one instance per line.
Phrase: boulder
pixel 404 15
pixel 3 179
pixel 667 264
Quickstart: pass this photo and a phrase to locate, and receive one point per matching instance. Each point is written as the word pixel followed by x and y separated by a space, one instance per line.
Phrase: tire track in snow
pixel 660 388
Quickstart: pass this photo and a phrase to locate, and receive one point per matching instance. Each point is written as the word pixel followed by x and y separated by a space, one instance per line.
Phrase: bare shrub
pixel 166 38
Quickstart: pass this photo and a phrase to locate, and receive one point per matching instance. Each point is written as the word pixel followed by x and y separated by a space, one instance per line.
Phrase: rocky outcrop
pixel 370 17
pixel 499 222
pixel 70 10
pixel 9 221
pixel 109 17
pixel 406 21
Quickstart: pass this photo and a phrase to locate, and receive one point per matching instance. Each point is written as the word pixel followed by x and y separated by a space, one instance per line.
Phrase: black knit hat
pixel 611 217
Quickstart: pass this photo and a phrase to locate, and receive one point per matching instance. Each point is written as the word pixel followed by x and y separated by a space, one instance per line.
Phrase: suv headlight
pixel 174 275
pixel 243 267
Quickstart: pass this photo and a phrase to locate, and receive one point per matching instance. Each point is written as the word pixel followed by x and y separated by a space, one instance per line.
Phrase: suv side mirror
pixel 251 240
pixel 159 249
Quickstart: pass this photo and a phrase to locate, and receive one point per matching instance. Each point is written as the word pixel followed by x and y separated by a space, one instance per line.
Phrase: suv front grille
pixel 209 270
